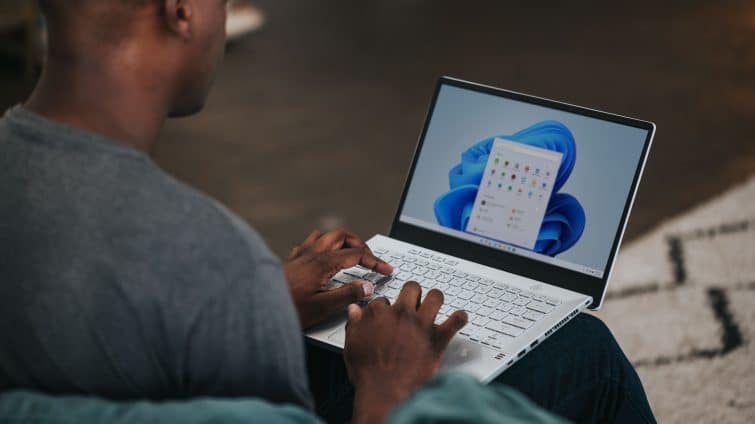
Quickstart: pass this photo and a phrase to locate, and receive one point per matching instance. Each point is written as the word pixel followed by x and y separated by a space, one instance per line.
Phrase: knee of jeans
pixel 605 345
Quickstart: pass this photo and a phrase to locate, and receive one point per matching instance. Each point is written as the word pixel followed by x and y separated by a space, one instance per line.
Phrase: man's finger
pixel 409 297
pixel 354 314
pixel 449 328
pixel 368 259
pixel 339 238
pixel 430 307
pixel 334 300
pixel 310 240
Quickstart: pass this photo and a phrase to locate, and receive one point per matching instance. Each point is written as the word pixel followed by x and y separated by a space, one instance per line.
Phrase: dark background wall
pixel 313 120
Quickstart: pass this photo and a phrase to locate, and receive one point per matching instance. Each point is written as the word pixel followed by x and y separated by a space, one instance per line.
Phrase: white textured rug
pixel 681 303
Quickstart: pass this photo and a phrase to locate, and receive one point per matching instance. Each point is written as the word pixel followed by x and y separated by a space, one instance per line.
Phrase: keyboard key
pixel 408 267
pixel 458 282
pixel 472 307
pixel 380 251
pixel 410 259
pixel 518 322
pixel 458 303
pixel 497 315
pixel 491 303
pixel 525 295
pixel 508 297
pixel 483 289
pixel 518 310
pixel 437 258
pixel 460 274
pixel 552 302
pixel 451 262
pixel 355 272
pixel 521 301
pixel 422 262
pixel 495 293
pixel 445 278
pixel 465 294
pixel 504 328
pixel 426 254
pixel 432 274
pixel 480 320
pixel 540 307
pixel 473 278
pixel 479 298
pixel 469 285
pixel 505 307
pixel 453 291
pixel 419 271
pixel 532 315
pixel 414 251
pixel 395 284
pixel 487 282
pixel 403 276
pixel 484 310
pixel 397 255
pixel 447 270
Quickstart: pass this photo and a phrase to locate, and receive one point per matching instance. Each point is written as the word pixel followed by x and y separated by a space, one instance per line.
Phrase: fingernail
pixel 368 288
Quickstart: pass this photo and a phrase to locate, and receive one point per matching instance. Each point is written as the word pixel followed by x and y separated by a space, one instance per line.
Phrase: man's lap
pixel 579 373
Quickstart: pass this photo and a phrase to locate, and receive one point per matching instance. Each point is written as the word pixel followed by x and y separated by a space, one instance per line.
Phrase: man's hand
pixel 313 263
pixel 391 350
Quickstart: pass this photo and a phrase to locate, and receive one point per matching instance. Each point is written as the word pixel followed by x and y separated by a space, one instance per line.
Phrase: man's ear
pixel 179 17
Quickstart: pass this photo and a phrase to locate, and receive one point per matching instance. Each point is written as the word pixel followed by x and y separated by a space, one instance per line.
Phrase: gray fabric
pixel 117 279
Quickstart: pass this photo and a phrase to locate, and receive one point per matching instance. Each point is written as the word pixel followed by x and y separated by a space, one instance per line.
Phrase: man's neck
pixel 92 96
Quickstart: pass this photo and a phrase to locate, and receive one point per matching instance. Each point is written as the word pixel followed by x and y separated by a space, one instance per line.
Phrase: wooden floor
pixel 313 121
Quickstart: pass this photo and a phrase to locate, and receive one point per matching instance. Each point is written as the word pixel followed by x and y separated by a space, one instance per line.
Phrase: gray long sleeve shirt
pixel 118 280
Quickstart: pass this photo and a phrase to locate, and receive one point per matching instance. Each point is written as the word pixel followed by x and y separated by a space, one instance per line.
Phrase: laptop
pixel 514 207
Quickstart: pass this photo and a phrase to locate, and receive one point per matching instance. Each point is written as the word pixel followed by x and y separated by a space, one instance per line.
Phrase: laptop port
pixel 521 353
pixel 535 343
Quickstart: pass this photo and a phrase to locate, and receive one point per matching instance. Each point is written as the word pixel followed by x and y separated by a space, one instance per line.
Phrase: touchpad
pixel 338 337
pixel 461 351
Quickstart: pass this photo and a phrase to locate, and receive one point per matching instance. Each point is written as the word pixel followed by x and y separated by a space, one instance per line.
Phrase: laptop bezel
pixel 509 262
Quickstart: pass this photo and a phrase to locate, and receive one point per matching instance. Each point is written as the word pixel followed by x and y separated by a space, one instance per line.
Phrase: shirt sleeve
pixel 247 340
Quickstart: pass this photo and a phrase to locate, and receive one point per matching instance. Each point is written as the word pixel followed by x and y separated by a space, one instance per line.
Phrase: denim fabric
pixel 580 373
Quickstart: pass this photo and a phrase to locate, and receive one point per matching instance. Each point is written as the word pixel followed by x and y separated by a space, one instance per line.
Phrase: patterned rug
pixel 682 304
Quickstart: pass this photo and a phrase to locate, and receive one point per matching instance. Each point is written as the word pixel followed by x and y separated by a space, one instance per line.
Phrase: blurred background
pixel 315 114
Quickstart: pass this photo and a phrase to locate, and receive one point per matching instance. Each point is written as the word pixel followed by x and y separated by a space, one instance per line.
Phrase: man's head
pixel 168 46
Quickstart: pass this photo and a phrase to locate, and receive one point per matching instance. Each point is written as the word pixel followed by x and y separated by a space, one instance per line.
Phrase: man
pixel 118 280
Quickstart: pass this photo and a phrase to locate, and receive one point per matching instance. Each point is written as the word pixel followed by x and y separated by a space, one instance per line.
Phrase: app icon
pixel 509 188
pixel 506 163
pixel 526 168
pixel 516 166
pixel 496 161
pixel 499 186
pixel 492 171
pixel 513 177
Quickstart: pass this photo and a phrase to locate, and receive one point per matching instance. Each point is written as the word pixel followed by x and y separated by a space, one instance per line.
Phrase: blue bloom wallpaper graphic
pixel 564 220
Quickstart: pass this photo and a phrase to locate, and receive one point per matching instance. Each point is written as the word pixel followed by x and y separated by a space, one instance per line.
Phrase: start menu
pixel 514 193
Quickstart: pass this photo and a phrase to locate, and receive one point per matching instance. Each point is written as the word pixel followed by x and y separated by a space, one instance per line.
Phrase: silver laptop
pixel 514 207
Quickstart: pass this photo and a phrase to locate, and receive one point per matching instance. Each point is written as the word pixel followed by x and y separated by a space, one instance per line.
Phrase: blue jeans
pixel 579 373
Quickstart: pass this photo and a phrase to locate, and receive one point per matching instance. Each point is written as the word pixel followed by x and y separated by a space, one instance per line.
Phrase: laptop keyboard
pixel 497 312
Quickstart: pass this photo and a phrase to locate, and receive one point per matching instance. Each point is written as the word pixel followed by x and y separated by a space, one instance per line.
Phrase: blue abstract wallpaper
pixel 564 220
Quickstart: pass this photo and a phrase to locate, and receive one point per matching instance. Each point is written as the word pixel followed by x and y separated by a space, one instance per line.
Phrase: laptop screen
pixel 534 181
